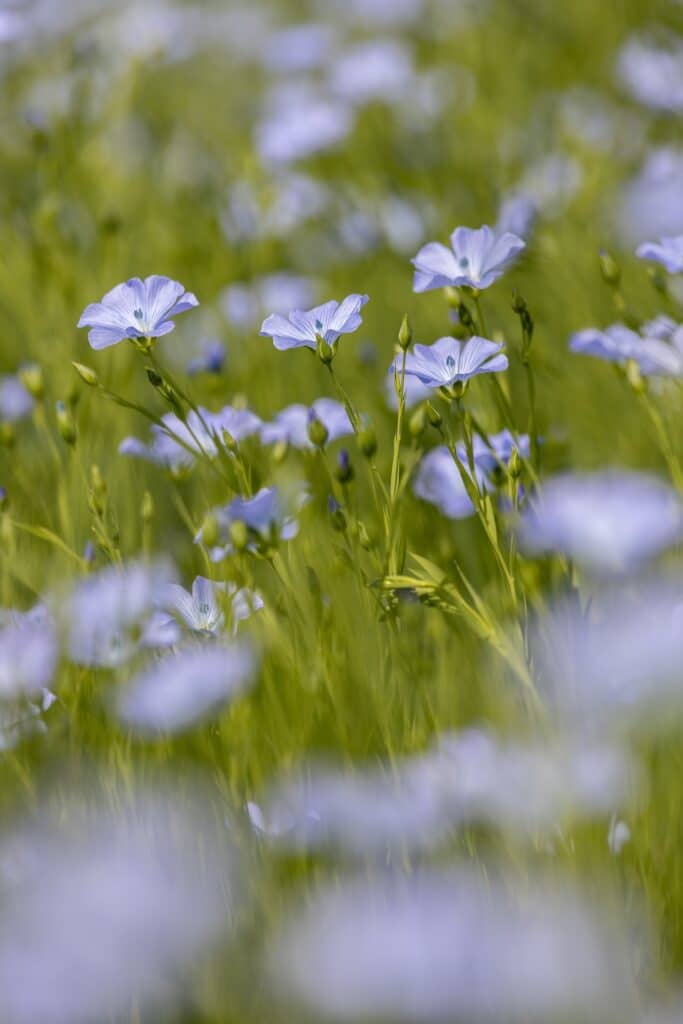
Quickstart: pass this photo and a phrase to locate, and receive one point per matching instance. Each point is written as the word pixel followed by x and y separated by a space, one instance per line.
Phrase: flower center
pixel 450 363
pixel 318 325
pixel 463 262
pixel 137 313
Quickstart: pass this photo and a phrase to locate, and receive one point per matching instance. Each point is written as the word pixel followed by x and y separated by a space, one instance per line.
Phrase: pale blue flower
pixel 211 358
pixel 301 121
pixel 495 451
pixel 181 689
pixel 667 251
pixel 266 515
pixel 449 361
pixel 517 215
pixel 203 610
pixel 608 521
pixel 177 443
pixel 243 304
pixel 28 653
pixel 651 203
pixel 439 482
pixel 653 74
pixel 291 424
pixel 618 344
pixel 136 309
pixel 377 70
pixel 15 400
pixel 476 259
pixel 329 322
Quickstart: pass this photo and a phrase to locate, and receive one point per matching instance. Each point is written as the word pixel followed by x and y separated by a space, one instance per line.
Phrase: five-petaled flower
pixel 327 323
pixel 450 362
pixel 668 252
pixel 136 309
pixel 476 259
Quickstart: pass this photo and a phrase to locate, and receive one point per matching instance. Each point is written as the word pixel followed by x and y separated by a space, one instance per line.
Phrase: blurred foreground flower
pixel 668 252
pixel 103 914
pixel 476 259
pixel 182 689
pixel 654 356
pixel 254 522
pixel 610 521
pixel 450 946
pixel 176 443
pixel 291 425
pixel 136 309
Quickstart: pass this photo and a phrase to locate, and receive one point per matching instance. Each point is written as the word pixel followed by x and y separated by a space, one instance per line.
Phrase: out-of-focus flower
pixel 476 259
pixel 415 391
pixel 651 203
pixel 28 653
pixel 178 441
pixel 653 74
pixel 15 400
pixel 439 482
pixel 552 182
pixel 299 48
pixel 136 309
pixel 618 344
pixel 449 946
pixel 668 252
pixel 203 610
pixel 495 451
pixel 110 911
pixel 107 614
pixel 517 216
pixel 609 521
pixel 618 836
pixel 291 424
pixel 375 70
pixel 299 122
pixel 302 330
pixel 210 360
pixel 243 305
pixel 182 689
pixel 449 361
pixel 619 659
pixel 265 518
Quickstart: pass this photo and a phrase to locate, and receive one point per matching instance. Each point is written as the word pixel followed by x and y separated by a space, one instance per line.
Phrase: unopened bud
pixel 344 470
pixel 239 535
pixel 337 517
pixel 209 531
pixel 364 537
pixel 147 509
pixel 317 431
pixel 609 268
pixel 405 333
pixel 87 374
pixel 279 452
pixel 518 303
pixel 31 376
pixel 434 416
pixel 515 465
pixel 155 379
pixel 229 441
pixel 367 442
pixel 65 424
pixel 418 421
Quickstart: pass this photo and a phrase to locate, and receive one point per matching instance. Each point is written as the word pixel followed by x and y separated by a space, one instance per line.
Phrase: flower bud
pixel 367 442
pixel 418 421
pixel 209 531
pixel 344 469
pixel 155 379
pixel 609 268
pixel 31 376
pixel 405 333
pixel 87 374
pixel 147 508
pixel 279 452
pixel 434 416
pixel 239 535
pixel 229 441
pixel 65 424
pixel 518 303
pixel 364 537
pixel 317 431
pixel 337 517
pixel 515 465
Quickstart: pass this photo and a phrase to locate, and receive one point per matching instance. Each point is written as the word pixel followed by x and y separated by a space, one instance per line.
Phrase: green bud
pixel 209 531
pixel 31 376
pixel 609 268
pixel 635 377
pixel 453 297
pixel 87 374
pixel 279 452
pixel 455 391
pixel 97 481
pixel 317 431
pixel 405 333
pixel 364 537
pixel 515 465
pixel 326 352
pixel 337 517
pixel 239 535
pixel 434 416
pixel 7 435
pixel 65 424
pixel 147 508
pixel 229 441
pixel 155 379
pixel 367 442
pixel 658 280
pixel 418 421
pixel 518 303
pixel 343 470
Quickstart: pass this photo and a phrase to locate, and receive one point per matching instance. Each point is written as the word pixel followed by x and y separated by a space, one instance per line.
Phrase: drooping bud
pixel 418 421
pixel 87 374
pixel 405 333
pixel 317 431
pixel 65 424
pixel 31 376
